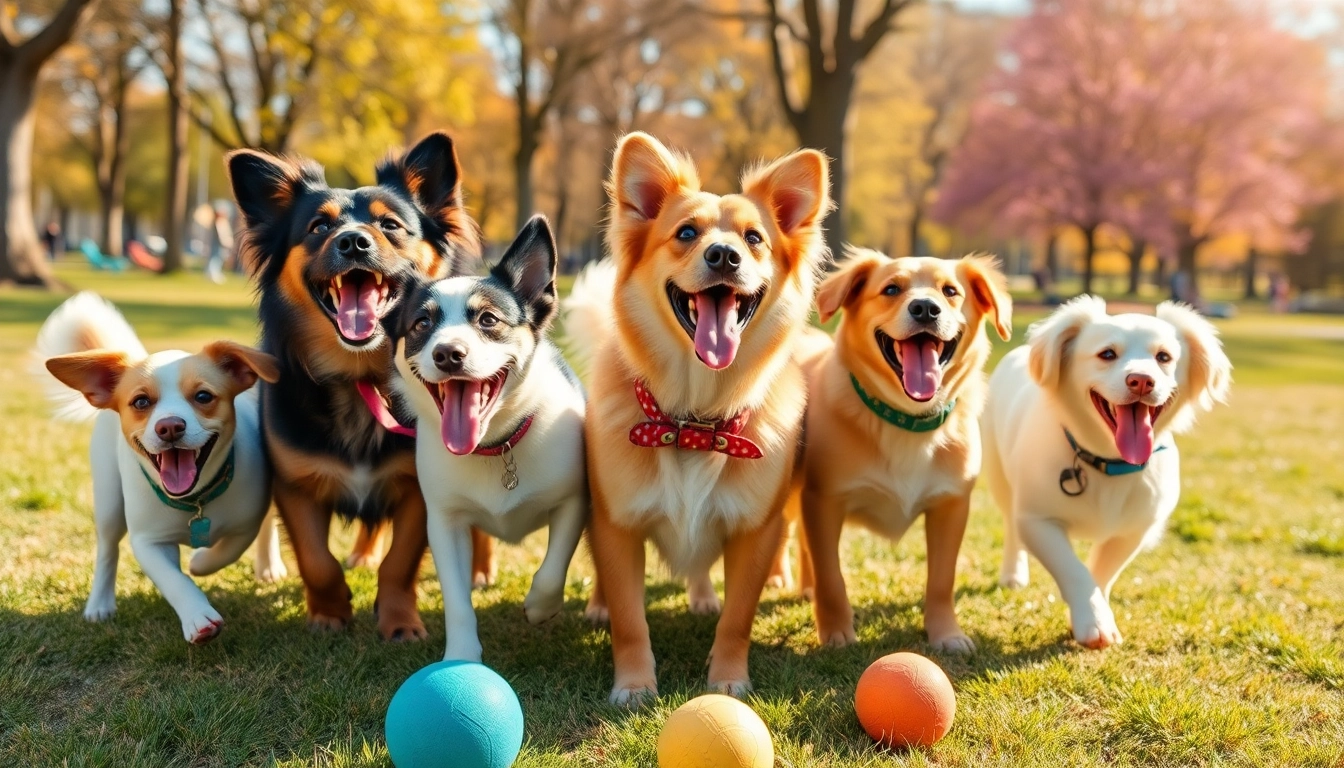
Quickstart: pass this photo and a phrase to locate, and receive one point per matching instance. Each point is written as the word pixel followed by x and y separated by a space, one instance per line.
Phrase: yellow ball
pixel 715 731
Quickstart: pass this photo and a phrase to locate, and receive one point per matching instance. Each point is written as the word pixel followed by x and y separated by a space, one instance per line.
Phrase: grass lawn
pixel 1233 625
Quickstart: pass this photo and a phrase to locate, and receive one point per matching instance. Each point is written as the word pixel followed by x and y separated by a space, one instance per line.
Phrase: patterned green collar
pixel 196 502
pixel 900 418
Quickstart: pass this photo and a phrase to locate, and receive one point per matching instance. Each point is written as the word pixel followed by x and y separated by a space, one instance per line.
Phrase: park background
pixel 1133 147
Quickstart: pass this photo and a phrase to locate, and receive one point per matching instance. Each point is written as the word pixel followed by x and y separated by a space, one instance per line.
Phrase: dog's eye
pixel 319 227
pixel 421 325
pixel 1107 355
pixel 141 402
pixel 1164 357
pixel 390 225
pixel 204 398
pixel 687 233
pixel 488 320
pixel 753 237
pixel 891 290
pixel 949 291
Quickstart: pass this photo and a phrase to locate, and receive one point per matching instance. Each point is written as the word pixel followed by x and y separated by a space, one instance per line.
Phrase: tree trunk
pixel 1089 256
pixel 522 174
pixel 916 219
pixel 21 257
pixel 1136 251
pixel 1052 256
pixel 175 217
pixel 822 127
pixel 1186 268
pixel 1252 267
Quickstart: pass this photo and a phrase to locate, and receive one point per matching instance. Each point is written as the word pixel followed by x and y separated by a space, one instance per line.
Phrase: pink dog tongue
pixel 358 314
pixel 1134 432
pixel 177 470
pixel 462 406
pixel 920 372
pixel 717 334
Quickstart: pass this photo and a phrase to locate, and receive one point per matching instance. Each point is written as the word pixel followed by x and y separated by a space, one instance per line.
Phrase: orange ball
pixel 905 699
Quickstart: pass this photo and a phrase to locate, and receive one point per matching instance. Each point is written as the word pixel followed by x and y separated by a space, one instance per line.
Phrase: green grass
pixel 1232 625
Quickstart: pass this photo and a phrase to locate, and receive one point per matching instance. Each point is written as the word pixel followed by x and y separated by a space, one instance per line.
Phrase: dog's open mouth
pixel 918 361
pixel 1132 426
pixel 356 301
pixel 466 406
pixel 180 468
pixel 714 319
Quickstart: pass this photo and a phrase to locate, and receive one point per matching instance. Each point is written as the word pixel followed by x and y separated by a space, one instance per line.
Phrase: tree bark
pixel 112 173
pixel 823 129
pixel 1052 256
pixel 1252 267
pixel 1136 252
pixel 916 219
pixel 175 216
pixel 21 257
pixel 1186 266
pixel 1089 256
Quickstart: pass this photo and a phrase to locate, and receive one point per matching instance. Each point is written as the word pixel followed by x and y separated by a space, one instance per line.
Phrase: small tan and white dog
pixel 176 454
pixel 891 419
pixel 1087 387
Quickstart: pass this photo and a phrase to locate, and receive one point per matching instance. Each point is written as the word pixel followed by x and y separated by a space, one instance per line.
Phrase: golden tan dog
pixel 696 403
pixel 891 419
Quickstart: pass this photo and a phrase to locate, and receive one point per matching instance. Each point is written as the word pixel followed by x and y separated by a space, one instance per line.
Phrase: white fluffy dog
pixel 1078 443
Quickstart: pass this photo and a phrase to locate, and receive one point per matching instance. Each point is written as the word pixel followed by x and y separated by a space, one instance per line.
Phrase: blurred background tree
pixel 1118 141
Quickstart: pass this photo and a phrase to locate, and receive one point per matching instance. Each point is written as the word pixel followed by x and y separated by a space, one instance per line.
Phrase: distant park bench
pixel 100 260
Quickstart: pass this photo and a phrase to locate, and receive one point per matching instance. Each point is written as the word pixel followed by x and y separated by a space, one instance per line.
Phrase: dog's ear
pixel 1204 370
pixel 528 268
pixel 987 289
pixel 795 189
pixel 243 365
pixel 842 288
pixel 431 174
pixel 643 174
pixel 95 374
pixel 1052 338
pixel 265 186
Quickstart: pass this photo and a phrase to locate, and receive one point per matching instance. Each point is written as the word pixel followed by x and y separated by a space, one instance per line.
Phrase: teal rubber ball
pixel 454 714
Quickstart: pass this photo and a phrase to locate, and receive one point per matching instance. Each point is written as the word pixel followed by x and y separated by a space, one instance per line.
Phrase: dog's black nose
pixel 353 244
pixel 449 357
pixel 723 258
pixel 925 310
pixel 170 429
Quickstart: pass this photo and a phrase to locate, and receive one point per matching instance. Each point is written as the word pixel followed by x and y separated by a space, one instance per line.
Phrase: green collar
pixel 196 502
pixel 900 418
pixel 1110 467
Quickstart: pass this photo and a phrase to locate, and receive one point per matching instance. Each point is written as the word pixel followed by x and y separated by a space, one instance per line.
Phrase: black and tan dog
pixel 329 265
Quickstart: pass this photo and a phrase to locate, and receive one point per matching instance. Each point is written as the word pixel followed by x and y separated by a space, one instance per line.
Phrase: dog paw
pixel 1095 628
pixel 541 606
pixel 837 636
pixel 1014 579
pixel 99 610
pixel 407 629
pixel 482 579
pixel 633 696
pixel 738 689
pixel 461 649
pixel 321 622
pixel 202 627
pixel 705 605
pixel 953 643
pixel 270 573
pixel 597 613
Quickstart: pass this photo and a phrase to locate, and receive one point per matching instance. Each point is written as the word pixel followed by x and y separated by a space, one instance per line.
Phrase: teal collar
pixel 1106 466
pixel 901 419
pixel 196 502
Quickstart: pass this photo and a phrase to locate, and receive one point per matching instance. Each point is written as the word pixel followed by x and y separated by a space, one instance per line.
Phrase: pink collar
pixel 691 434
pixel 507 445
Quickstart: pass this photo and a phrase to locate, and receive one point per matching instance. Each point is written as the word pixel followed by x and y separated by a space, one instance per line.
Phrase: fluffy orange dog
pixel 891 419
pixel 695 405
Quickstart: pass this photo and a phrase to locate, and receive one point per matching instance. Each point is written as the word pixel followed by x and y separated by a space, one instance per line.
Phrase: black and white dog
pixel 499 418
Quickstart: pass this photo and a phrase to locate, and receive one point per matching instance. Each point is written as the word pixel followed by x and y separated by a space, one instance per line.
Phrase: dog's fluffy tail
pixel 588 313
pixel 84 322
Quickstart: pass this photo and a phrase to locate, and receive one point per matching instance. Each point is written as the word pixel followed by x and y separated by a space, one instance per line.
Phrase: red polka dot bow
pixel 663 431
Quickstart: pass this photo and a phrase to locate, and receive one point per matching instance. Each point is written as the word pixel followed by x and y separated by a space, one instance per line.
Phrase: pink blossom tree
pixel 1175 123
